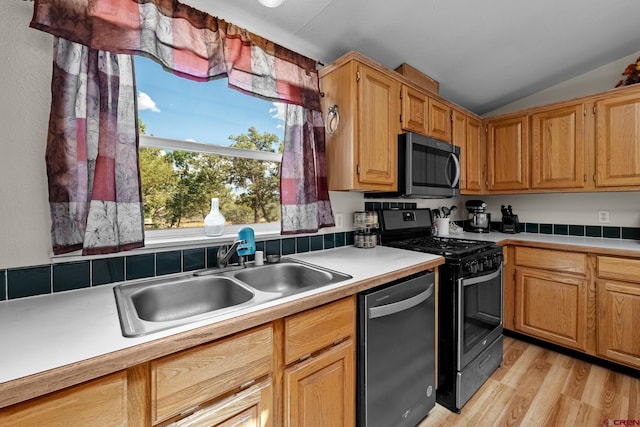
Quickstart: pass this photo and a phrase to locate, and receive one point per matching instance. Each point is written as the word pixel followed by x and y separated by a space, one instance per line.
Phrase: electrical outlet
pixel 339 220
pixel 603 217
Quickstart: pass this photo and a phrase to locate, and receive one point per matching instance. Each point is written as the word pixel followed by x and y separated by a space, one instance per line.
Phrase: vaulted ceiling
pixel 484 54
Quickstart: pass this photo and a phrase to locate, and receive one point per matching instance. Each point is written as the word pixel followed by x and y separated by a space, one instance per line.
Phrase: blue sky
pixel 174 107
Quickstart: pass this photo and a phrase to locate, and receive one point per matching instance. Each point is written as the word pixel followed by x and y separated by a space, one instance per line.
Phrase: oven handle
pixel 397 307
pixel 486 277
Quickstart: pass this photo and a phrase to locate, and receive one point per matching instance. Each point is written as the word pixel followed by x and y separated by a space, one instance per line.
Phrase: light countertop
pixel 587 244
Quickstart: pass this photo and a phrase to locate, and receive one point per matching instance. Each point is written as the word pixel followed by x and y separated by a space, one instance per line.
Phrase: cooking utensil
pixel 435 213
pixel 451 209
pixel 445 211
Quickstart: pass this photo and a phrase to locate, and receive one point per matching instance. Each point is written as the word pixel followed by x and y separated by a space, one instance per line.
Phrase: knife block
pixel 510 224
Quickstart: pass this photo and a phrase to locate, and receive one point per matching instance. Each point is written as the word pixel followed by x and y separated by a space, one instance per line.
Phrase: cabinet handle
pixel 357 76
pixel 333 120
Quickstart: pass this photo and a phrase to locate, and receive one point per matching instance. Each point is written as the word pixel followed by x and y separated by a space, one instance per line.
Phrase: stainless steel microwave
pixel 427 168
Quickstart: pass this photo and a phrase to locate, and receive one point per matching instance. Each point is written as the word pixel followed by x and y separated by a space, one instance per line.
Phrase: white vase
pixel 214 221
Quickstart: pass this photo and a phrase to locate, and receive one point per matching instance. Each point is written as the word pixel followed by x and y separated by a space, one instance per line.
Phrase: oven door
pixel 479 314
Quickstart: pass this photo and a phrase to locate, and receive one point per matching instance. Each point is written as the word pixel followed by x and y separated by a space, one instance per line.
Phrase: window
pixel 204 140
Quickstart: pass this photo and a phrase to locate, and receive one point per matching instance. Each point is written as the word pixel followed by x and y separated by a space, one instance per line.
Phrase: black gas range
pixel 411 230
pixel 469 300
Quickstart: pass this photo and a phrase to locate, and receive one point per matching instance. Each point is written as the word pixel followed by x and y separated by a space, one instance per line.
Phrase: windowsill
pixel 159 240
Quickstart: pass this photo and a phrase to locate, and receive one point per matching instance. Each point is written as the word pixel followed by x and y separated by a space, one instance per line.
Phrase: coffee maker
pixel 478 220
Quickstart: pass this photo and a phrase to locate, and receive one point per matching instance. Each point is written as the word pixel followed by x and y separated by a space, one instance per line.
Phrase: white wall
pixel 569 208
pixel 24 113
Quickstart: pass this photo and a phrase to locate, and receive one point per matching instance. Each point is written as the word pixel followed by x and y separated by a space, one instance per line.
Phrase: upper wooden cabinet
pixel 425 115
pixel 557 148
pixel 591 143
pixel 508 153
pixel 439 125
pixel 362 152
pixel 618 141
pixel 415 110
pixel 467 133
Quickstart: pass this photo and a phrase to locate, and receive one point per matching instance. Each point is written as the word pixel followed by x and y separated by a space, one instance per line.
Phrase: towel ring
pixel 333 120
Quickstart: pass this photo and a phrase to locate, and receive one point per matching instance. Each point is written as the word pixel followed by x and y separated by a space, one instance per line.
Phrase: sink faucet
pixel 225 253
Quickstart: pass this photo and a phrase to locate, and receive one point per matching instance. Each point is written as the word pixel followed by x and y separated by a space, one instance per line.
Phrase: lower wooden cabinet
pixel 583 301
pixel 618 288
pixel 619 321
pixel 320 391
pixel 319 377
pixel 101 402
pixel 551 306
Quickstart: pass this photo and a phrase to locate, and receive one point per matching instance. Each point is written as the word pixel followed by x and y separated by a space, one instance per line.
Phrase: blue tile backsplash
pixel 45 279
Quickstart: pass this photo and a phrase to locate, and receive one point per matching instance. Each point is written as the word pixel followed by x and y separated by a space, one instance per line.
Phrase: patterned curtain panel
pixel 304 197
pixel 200 47
pixel 92 152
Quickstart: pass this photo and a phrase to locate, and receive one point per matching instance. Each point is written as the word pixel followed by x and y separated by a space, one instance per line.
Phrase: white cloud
pixel 146 103
pixel 277 111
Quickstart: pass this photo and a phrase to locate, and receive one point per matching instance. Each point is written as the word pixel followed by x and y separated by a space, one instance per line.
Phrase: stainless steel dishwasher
pixel 396 352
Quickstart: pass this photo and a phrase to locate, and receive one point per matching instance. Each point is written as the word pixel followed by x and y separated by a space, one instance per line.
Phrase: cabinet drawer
pixel 546 259
pixel 191 377
pixel 315 329
pixel 250 407
pixel 101 402
pixel 619 268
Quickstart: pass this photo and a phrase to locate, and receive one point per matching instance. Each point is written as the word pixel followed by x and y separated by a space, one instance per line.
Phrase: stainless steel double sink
pixel 152 305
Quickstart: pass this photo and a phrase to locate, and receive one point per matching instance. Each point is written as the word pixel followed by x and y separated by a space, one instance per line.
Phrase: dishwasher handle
pixel 397 307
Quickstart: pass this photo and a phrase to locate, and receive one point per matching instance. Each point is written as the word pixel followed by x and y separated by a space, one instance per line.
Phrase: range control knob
pixel 471 266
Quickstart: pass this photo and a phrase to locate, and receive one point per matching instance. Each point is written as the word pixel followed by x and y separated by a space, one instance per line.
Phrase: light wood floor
pixel 539 387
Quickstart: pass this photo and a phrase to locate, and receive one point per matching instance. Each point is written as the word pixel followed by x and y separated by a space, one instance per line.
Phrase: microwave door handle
pixel 456 178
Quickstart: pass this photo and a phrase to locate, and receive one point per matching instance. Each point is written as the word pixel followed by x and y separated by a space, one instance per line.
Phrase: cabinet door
pixel 439 122
pixel 508 153
pixel 551 306
pixel 459 138
pixel 618 141
pixel 249 408
pixel 476 156
pixel 557 147
pixel 379 125
pixel 415 105
pixel 320 391
pixel 466 133
pixel 101 402
pixel 618 321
